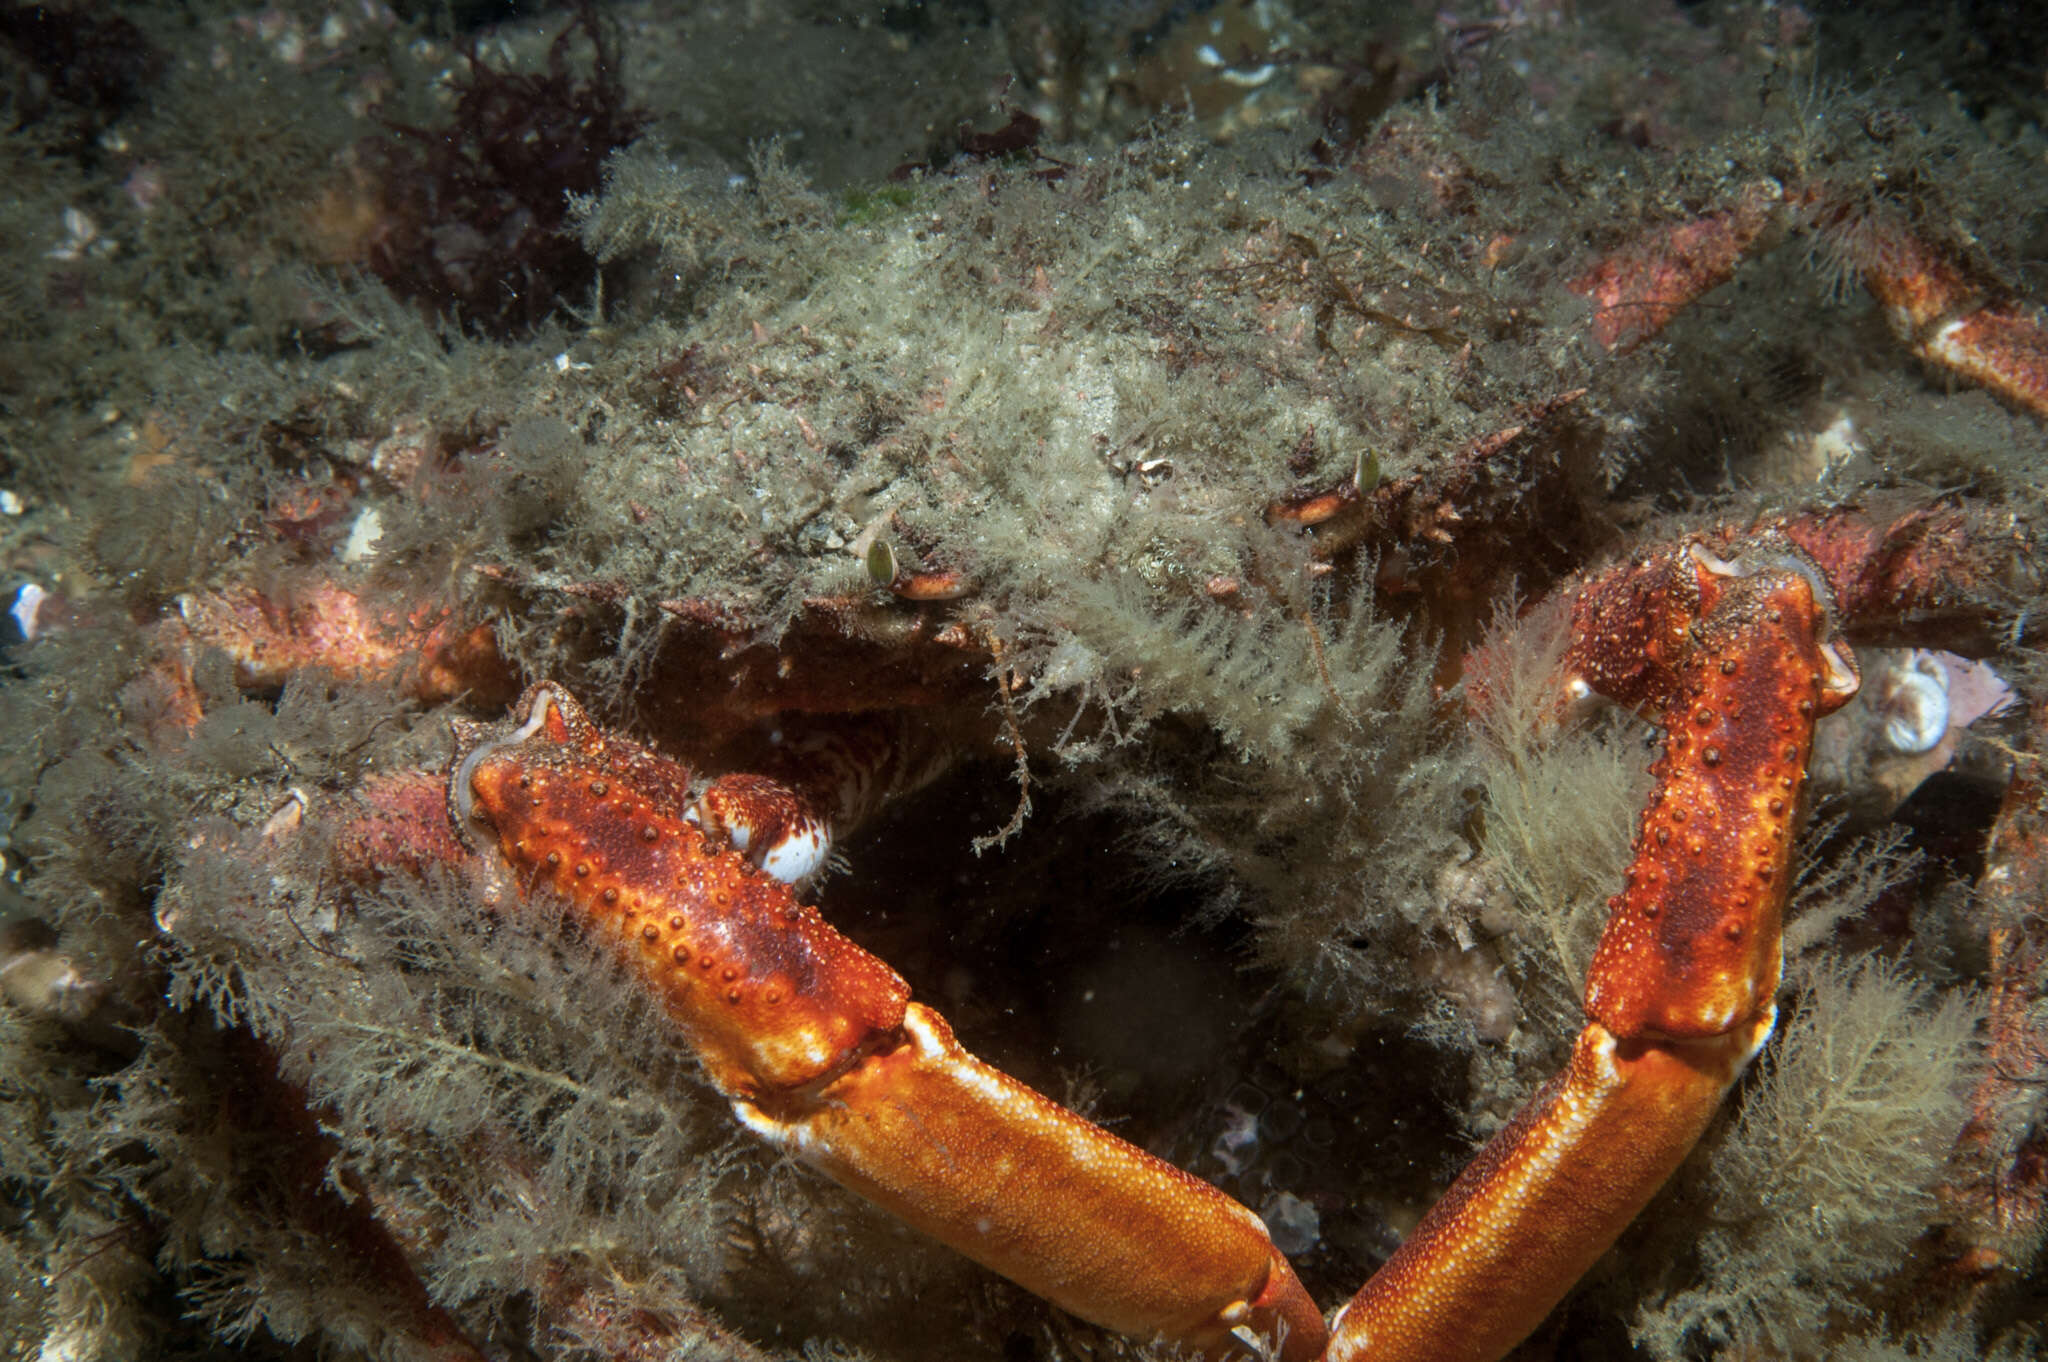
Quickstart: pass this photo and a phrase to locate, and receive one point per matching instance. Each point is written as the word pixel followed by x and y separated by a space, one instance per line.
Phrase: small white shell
pixel 1914 703
pixel 28 605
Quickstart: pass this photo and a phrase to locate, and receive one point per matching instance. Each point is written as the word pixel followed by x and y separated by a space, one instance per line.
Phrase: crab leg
pixel 1066 1210
pixel 1948 314
pixel 817 1047
pixel 1734 661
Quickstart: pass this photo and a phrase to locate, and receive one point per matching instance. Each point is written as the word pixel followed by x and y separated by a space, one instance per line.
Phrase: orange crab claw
pixel 926 1131
pixel 1734 659
pixel 1955 322
pixel 1951 317
pixel 815 1044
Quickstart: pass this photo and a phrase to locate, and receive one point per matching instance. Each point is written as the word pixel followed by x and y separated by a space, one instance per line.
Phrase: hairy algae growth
pixel 1258 887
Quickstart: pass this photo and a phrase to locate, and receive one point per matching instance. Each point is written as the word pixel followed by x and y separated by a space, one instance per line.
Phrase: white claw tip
pixel 800 854
pixel 1843 676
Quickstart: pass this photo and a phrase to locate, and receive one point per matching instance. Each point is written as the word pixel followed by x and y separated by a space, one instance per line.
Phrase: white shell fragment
pixel 1913 698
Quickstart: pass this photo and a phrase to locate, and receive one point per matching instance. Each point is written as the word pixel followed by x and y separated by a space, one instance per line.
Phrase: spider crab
pixel 1732 642
pixel 436 976
pixel 1736 641
pixel 819 1049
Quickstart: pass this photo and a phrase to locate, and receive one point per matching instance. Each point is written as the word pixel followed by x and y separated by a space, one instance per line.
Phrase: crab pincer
pixel 1735 661
pixel 816 1045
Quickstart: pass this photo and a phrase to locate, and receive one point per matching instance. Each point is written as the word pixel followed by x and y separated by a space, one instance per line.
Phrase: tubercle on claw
pixel 816 1045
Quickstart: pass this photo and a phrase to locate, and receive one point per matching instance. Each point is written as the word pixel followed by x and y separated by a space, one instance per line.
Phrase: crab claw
pixel 1735 660
pixel 819 1050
